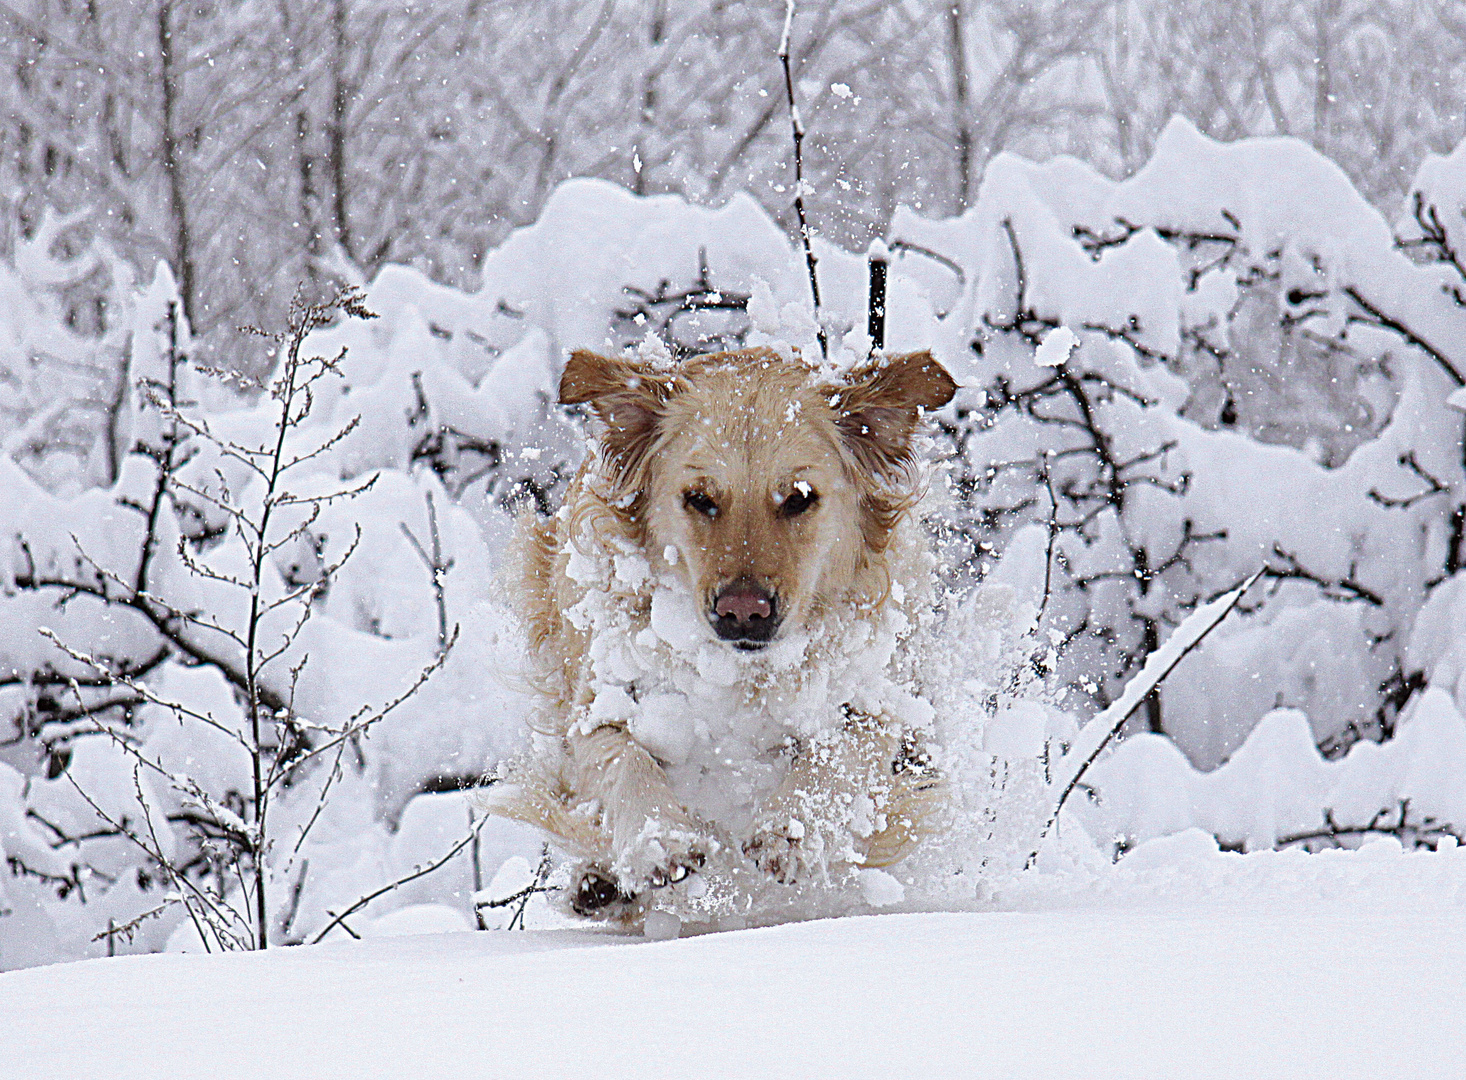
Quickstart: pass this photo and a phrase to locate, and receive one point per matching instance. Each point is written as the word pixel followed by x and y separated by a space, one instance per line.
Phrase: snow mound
pixel 1278 789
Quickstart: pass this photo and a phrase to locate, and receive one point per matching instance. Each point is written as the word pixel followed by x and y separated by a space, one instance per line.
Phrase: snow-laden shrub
pixel 1277 790
pixel 1155 287
pixel 63 342
pixel 1130 440
pixel 200 641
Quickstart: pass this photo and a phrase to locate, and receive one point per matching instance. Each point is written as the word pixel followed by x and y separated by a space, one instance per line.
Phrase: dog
pixel 719 619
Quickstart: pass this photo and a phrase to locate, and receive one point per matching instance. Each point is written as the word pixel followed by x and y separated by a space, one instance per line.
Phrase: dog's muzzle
pixel 745 614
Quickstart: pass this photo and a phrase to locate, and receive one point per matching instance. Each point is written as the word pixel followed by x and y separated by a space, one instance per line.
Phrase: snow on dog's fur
pixel 719 617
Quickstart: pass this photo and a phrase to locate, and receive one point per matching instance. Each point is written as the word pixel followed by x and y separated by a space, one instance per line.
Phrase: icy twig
pixel 436 565
pixel 1053 528
pixel 333 774
pixel 522 896
pixel 1376 316
pixel 139 688
pixel 1427 832
pixel 796 125
pixel 1096 734
pixel 218 920
pixel 356 725
pixel 417 872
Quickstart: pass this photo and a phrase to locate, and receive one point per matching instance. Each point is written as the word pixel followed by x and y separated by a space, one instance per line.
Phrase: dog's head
pixel 768 490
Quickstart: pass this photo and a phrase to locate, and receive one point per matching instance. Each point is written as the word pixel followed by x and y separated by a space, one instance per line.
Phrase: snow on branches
pixel 1228 360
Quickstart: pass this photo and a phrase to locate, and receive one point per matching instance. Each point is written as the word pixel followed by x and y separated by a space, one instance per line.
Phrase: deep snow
pixel 1181 961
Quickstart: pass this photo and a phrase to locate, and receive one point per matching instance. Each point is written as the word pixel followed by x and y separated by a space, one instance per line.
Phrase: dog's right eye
pixel 700 502
pixel 798 501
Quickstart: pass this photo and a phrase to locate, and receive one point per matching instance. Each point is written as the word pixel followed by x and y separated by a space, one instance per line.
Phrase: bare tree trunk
pixel 957 54
pixel 1264 69
pixel 554 119
pixel 173 167
pixel 108 138
pixel 1325 11
pixel 1122 103
pixel 304 162
pixel 304 167
pixel 340 104
pixel 1150 640
pixel 647 123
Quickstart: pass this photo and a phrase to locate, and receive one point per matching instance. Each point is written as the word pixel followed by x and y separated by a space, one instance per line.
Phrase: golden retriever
pixel 718 617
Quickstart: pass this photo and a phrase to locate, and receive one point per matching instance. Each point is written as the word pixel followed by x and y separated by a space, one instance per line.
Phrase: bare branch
pixel 796 125
pixel 417 872
pixel 1096 735
pixel 437 567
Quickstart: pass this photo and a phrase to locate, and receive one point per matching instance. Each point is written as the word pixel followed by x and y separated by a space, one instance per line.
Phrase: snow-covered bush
pixel 62 347
pixel 1278 791
pixel 215 636
pixel 1122 449
pixel 1147 297
pixel 1125 455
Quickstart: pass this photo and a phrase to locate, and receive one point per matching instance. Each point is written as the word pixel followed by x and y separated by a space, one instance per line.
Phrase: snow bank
pixel 1278 789
pixel 1160 991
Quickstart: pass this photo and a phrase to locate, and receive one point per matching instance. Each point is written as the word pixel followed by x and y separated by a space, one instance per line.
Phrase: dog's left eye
pixel 801 497
pixel 700 502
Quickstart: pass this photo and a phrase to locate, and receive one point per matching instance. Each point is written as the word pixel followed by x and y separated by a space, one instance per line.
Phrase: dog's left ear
pixel 626 395
pixel 878 410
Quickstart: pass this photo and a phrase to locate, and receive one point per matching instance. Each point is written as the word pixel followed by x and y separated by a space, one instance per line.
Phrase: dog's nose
pixel 746 614
pixel 744 602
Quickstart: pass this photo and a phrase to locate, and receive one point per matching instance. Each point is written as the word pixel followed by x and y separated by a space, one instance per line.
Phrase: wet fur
pixel 742 429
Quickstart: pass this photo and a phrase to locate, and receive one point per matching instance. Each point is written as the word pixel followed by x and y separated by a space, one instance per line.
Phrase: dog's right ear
pixel 627 396
pixel 878 409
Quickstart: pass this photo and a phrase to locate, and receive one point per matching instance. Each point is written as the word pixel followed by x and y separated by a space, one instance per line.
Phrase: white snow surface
pixel 1181 961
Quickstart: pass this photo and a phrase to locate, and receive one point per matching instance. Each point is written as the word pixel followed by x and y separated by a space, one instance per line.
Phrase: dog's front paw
pixel 672 856
pixel 595 893
pixel 782 848
pixel 676 867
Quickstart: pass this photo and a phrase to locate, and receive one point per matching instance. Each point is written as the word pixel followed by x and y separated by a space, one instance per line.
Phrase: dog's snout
pixel 745 614
pixel 743 603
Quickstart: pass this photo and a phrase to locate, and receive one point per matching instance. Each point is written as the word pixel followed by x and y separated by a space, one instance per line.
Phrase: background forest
pixel 254 145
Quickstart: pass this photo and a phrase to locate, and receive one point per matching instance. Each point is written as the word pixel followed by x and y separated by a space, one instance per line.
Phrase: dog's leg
pixel 857 797
pixel 653 840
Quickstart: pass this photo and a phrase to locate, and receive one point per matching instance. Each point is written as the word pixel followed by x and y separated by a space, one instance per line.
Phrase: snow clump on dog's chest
pixel 724 723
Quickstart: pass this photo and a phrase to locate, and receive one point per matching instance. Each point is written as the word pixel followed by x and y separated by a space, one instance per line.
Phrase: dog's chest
pixel 723 756
pixel 721 723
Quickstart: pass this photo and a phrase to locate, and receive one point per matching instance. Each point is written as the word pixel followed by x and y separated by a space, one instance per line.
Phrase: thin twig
pixel 1053 524
pixel 355 725
pixel 796 125
pixel 421 871
pixel 522 897
pixel 436 566
pixel 1137 692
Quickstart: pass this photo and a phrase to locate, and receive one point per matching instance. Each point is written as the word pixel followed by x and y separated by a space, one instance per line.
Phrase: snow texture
pixel 1189 962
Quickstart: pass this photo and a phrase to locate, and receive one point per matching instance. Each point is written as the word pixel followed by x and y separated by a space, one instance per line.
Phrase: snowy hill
pixel 1179 962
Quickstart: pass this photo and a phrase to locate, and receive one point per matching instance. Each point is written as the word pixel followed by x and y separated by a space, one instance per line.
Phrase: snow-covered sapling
pixel 217 597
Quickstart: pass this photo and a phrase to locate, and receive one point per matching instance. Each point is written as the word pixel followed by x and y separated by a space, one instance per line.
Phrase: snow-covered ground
pixel 1179 962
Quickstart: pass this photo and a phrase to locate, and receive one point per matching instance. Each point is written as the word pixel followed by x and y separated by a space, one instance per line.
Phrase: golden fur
pixel 741 470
